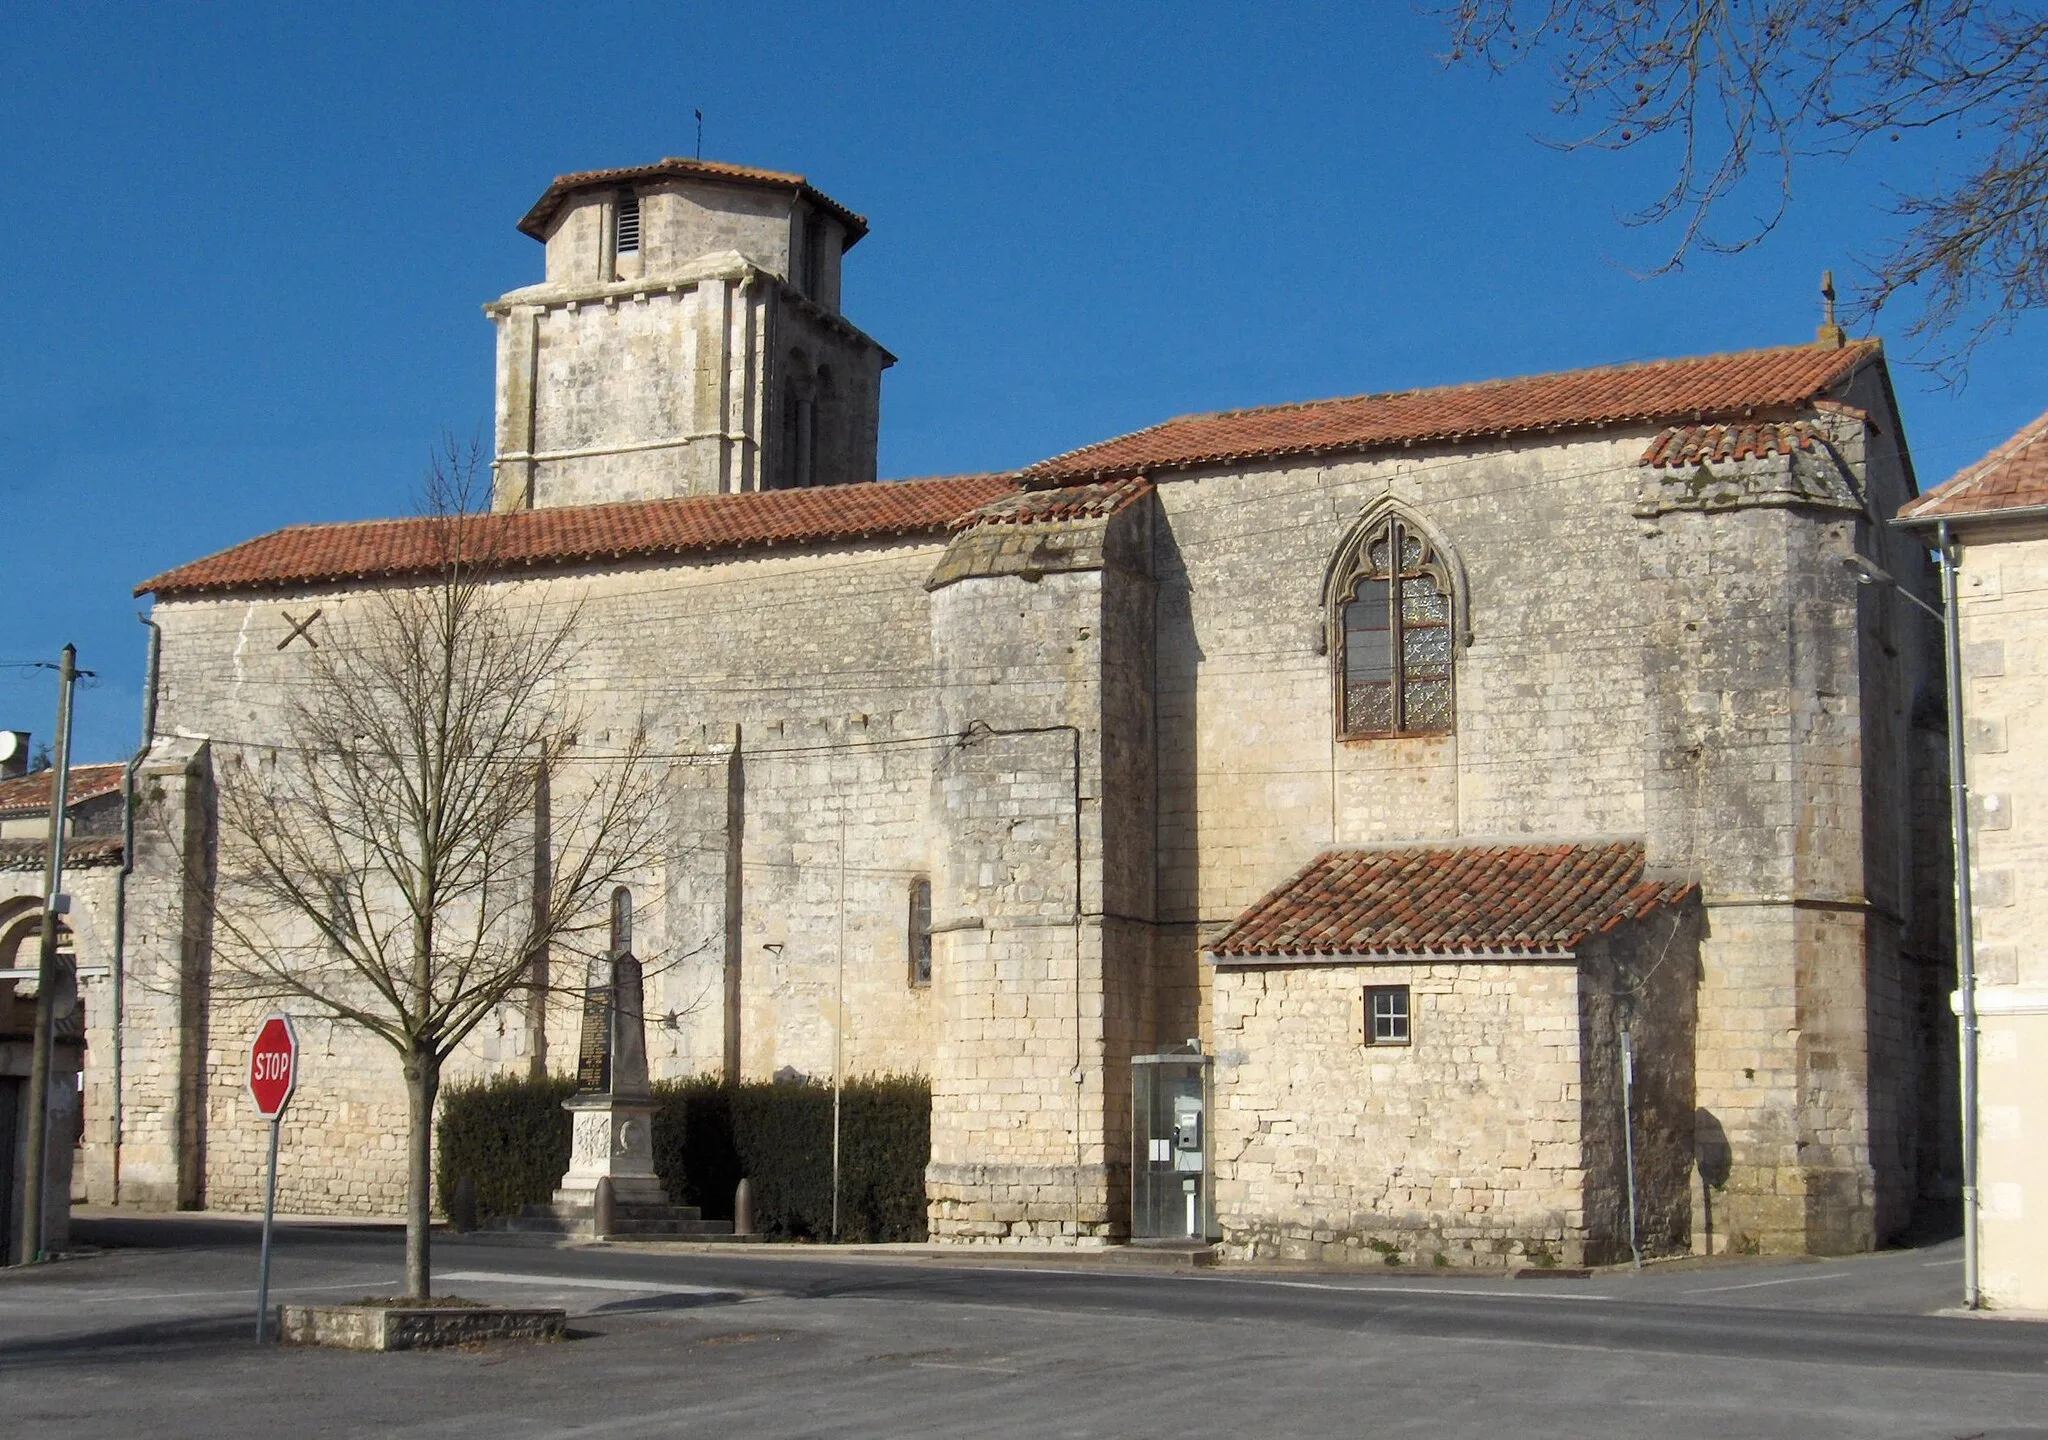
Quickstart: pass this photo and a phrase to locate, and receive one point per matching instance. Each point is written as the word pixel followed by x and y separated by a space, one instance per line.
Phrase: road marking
pixel 638 1287
pixel 947 1365
pixel 1454 1289
pixel 1930 1264
pixel 366 1286
pixel 1759 1284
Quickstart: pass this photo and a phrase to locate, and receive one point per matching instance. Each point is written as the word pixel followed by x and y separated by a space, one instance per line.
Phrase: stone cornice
pixel 724 265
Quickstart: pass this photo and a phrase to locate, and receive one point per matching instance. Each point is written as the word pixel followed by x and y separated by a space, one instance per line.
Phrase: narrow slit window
pixel 627 224
pixel 920 932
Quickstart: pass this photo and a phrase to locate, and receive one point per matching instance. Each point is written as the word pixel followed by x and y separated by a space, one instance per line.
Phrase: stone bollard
pixel 603 1210
pixel 462 1206
pixel 743 1208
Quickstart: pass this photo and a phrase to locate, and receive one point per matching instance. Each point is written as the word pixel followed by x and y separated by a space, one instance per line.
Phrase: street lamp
pixel 1869 573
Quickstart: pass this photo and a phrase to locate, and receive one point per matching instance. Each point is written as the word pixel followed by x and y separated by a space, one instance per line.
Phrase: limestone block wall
pixel 631 391
pixel 1467 1143
pixel 1018 1140
pixel 1710 678
pixel 1642 981
pixel 1495 1137
pixel 788 698
pixel 1549 694
pixel 2004 590
pixel 815 355
pixel 1044 885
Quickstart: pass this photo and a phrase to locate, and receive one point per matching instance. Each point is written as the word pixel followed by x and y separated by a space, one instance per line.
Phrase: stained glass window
pixel 1396 664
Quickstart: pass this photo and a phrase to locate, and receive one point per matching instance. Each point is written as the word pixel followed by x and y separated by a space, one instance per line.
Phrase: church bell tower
pixel 686 340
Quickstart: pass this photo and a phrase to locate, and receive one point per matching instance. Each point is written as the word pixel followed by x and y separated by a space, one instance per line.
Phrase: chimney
pixel 13 754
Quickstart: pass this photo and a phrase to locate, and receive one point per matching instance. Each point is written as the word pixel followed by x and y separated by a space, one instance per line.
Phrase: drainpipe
pixel 120 967
pixel 1966 939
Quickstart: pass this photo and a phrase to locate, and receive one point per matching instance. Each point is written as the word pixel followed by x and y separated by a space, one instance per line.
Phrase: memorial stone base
pixel 612 1140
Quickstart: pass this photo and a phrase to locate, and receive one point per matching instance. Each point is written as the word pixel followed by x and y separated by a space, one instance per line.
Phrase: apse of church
pixel 1008 780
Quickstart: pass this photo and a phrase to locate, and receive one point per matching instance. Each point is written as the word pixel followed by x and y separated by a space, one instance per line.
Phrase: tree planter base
pixel 398 1327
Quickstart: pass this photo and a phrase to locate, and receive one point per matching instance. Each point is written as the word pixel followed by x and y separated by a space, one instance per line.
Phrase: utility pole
pixel 47 974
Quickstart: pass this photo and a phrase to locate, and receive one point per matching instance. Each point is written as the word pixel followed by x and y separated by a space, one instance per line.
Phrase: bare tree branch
pixel 380 867
pixel 1742 89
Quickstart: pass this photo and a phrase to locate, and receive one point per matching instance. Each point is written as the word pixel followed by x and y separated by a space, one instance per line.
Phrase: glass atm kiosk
pixel 1170 1154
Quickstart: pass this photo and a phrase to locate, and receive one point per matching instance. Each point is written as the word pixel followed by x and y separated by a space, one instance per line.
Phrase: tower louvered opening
pixel 627 224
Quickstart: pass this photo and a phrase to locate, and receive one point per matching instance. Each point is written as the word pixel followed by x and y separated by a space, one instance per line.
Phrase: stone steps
pixel 630 1220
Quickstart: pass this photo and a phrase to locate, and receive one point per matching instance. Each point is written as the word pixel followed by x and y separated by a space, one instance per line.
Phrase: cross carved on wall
pixel 300 629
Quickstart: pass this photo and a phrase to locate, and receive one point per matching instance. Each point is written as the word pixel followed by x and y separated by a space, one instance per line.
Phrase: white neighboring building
pixel 1996 512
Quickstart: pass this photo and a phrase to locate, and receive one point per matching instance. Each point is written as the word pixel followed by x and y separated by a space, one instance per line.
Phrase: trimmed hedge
pixel 511 1137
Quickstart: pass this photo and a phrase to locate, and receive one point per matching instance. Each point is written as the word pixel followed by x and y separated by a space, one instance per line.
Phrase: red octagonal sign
pixel 273 1066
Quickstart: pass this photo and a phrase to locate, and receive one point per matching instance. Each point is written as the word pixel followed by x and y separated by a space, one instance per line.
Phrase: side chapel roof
pixel 1451 900
pixel 30 794
pixel 1735 386
pixel 2012 477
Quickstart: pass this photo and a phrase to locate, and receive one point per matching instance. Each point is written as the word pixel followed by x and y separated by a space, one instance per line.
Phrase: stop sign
pixel 273 1066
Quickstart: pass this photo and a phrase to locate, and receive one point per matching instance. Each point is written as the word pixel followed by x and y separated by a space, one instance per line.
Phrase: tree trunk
pixel 422 1085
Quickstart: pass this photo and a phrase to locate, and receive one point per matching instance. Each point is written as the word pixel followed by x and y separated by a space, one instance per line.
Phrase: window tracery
pixel 1395 635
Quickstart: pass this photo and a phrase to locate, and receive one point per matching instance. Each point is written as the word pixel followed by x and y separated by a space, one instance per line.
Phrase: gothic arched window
pixel 1395 635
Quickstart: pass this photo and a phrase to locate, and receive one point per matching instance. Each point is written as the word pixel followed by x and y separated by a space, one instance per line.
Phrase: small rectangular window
pixel 1386 1015
pixel 627 221
pixel 920 932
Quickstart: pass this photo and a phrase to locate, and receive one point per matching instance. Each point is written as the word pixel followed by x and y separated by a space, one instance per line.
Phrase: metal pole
pixel 269 1216
pixel 47 969
pixel 839 1026
pixel 1628 1137
pixel 1966 940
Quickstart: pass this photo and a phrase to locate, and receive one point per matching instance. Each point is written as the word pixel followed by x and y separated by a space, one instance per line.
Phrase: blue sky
pixel 247 245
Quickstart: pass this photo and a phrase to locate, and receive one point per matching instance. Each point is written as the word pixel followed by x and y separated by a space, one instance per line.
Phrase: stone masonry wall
pixel 1693 676
pixel 1465 1144
pixel 2004 593
pixel 819 661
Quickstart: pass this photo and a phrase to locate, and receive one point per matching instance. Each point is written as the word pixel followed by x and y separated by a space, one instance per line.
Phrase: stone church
pixel 1506 787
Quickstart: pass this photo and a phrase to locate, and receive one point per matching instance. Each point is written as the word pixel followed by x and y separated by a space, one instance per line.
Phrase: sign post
pixel 273 1071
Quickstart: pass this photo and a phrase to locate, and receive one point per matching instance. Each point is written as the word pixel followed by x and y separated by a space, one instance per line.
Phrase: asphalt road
pixel 154 1337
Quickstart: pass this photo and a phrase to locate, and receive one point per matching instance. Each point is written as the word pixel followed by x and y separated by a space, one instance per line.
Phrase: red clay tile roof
pixel 80 854
pixel 1488 899
pixel 1072 502
pixel 1707 444
pixel 2012 477
pixel 581 534
pixel 1711 387
pixel 536 220
pixel 30 794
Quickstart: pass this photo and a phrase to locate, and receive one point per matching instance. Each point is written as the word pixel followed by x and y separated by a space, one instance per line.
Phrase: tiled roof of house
pixel 581 534
pixel 2012 477
pixel 1070 502
pixel 1739 386
pixel 30 794
pixel 1710 444
pixel 536 220
pixel 79 854
pixel 1473 899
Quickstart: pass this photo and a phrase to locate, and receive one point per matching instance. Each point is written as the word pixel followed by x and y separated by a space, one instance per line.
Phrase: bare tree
pixel 379 867
pixel 1747 87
